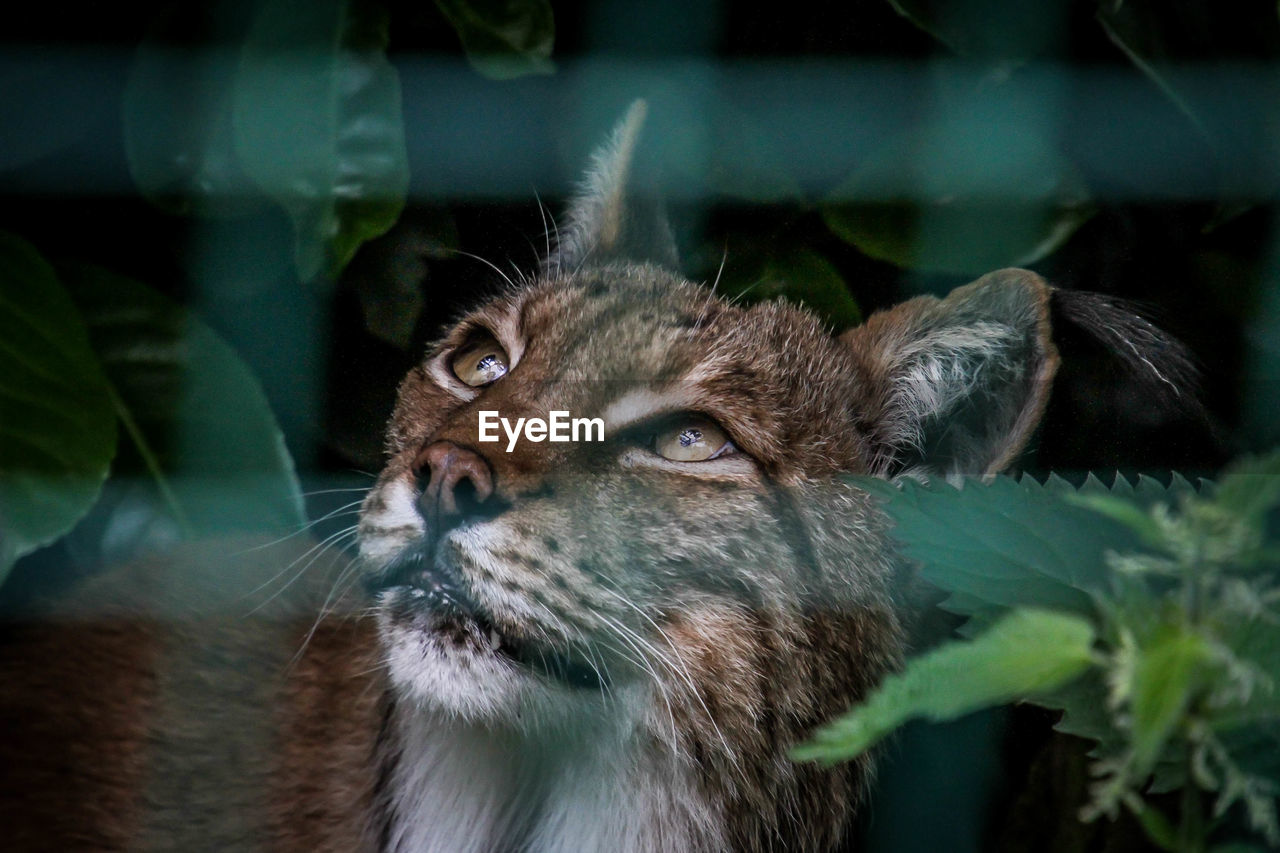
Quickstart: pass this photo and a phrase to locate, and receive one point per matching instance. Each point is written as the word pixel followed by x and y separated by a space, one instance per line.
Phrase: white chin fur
pixel 475 685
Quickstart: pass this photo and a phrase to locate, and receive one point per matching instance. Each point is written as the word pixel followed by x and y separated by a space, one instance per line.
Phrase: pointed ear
pixel 957 385
pixel 610 220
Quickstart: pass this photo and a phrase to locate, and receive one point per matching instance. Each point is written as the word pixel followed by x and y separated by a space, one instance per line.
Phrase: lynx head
pixel 701 580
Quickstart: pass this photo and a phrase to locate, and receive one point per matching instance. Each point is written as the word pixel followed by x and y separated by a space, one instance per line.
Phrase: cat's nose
pixel 456 485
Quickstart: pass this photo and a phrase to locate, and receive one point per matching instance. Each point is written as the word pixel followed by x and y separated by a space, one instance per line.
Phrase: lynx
pixel 572 646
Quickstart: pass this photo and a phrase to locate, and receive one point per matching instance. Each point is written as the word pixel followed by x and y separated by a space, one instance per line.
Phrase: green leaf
pixel 1006 543
pixel 1253 639
pixel 1166 675
pixel 177 116
pixel 1126 512
pixel 200 432
pixel 1156 825
pixel 1250 488
pixel 316 122
pixel 57 428
pixel 964 195
pixel 1024 654
pixel 799 275
pixel 1085 713
pixel 504 38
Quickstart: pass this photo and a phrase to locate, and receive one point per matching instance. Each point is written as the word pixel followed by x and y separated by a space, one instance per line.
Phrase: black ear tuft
pixel 610 220
pixel 1162 365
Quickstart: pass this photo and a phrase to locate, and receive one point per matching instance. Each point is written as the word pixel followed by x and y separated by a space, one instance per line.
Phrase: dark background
pixel 1172 127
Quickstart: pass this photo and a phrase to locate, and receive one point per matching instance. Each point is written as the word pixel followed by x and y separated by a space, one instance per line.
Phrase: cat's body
pixel 570 647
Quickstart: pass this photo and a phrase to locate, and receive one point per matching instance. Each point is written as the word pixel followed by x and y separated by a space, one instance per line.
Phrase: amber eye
pixel 480 363
pixel 691 439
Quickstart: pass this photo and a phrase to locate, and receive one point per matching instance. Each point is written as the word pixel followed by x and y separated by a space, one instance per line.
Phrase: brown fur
pixel 158 707
pixel 74 717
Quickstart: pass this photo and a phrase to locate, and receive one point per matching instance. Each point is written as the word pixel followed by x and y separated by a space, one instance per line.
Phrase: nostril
pixel 472 506
pixel 466 498
pixel 421 479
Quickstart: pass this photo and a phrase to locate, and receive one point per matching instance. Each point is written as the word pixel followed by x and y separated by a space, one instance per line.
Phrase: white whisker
pixel 318 549
pixel 681 670
pixel 346 509
pixel 489 264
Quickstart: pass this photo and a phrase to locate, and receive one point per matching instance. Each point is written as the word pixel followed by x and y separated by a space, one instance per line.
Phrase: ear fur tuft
pixel 609 221
pixel 957 385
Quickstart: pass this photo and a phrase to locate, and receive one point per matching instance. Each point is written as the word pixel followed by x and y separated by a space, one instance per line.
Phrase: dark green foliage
pixel 197 452
pixel 1181 689
pixel 504 38
pixel 57 424
pixel 801 276
pixel 315 119
pixel 303 108
pixel 227 109
pixel 201 433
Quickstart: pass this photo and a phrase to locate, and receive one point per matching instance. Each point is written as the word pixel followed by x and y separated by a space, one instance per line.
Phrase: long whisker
pixel 649 653
pixel 546 233
pixel 554 227
pixel 346 509
pixel 723 257
pixel 681 670
pixel 490 264
pixel 335 491
pixel 656 680
pixel 601 675
pixel 324 608
pixel 601 671
pixel 318 549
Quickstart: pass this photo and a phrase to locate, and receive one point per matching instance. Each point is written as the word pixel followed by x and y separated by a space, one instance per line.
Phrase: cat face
pixel 567 580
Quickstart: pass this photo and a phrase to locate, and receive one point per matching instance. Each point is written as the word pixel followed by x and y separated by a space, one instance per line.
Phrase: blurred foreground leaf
pixel 316 122
pixel 1002 544
pixel 1166 677
pixel 177 116
pixel 57 427
pixel 1024 653
pixel 1180 587
pixel 504 38
pixel 204 455
pixel 963 196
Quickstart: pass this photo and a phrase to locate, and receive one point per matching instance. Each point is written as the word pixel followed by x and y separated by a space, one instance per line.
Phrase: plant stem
pixel 1191 830
pixel 150 460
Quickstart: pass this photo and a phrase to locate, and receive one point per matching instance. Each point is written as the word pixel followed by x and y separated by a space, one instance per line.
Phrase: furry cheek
pixel 389 522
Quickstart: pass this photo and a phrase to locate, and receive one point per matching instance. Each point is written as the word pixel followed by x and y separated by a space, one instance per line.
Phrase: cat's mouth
pixel 428 588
